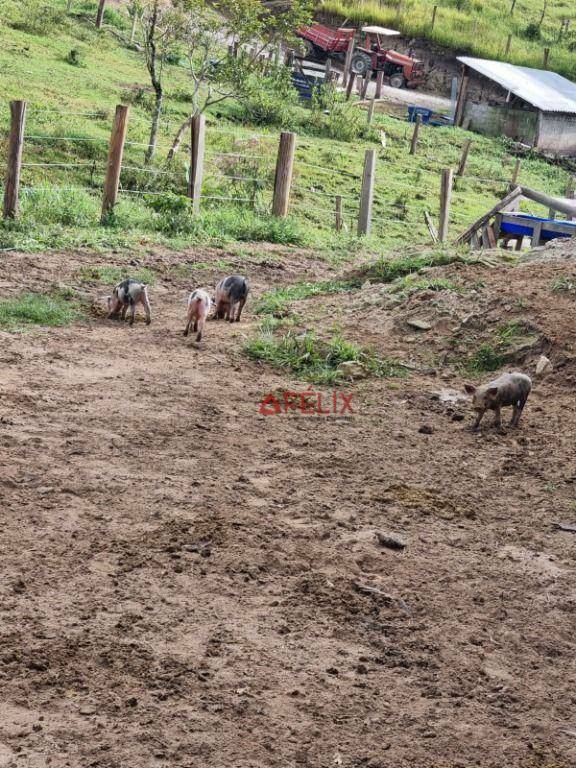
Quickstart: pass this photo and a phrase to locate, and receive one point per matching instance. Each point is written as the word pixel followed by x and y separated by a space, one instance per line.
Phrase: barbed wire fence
pixel 255 170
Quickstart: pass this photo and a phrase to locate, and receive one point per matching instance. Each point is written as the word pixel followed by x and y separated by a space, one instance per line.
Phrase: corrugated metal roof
pixel 545 90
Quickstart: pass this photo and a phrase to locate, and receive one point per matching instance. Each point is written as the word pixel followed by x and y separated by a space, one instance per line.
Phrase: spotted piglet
pixel 231 295
pixel 128 294
pixel 199 304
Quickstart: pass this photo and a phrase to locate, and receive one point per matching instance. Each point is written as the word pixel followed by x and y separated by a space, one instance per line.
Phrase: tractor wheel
pixel 360 64
pixel 397 81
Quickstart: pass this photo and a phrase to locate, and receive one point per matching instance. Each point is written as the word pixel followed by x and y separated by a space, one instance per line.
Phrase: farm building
pixel 534 106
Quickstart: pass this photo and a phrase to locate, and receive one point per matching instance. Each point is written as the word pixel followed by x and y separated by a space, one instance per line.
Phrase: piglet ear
pixel 493 391
pixel 469 389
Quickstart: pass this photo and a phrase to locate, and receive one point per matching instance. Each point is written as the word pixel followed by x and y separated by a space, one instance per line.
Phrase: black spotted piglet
pixel 128 294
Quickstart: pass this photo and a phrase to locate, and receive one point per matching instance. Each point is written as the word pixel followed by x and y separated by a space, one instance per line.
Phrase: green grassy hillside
pixel 69 119
pixel 479 27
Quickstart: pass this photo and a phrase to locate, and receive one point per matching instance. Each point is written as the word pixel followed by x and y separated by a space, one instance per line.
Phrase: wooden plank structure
pixel 503 222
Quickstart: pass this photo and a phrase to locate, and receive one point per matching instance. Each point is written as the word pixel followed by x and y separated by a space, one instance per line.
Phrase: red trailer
pixel 323 41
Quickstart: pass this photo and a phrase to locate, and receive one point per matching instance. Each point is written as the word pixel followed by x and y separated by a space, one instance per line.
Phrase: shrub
pixel 533 31
pixel 38 17
pixel 270 99
pixel 75 58
pixel 335 118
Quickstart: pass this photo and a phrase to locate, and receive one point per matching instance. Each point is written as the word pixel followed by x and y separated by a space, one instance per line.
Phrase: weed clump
pixel 314 359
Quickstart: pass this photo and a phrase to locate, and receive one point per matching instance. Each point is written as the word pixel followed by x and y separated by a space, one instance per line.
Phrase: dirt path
pixel 403 96
pixel 184 580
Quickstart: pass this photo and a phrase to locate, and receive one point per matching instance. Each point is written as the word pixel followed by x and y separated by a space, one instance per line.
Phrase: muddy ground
pixel 186 582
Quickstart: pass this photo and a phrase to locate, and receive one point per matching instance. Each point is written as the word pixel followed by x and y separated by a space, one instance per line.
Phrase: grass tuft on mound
pixel 316 360
pixel 276 302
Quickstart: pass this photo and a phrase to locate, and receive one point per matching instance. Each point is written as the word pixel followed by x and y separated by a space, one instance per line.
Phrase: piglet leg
pixel 147 308
pixel 479 418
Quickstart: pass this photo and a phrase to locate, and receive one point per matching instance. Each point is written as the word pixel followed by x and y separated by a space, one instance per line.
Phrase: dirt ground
pixel 186 582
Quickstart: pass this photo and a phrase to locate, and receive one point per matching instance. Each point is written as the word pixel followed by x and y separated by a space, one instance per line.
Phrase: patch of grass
pixel 277 302
pixel 492 355
pixel 316 360
pixel 113 275
pixel 511 332
pixel 387 270
pixel 486 358
pixel 563 284
pixel 410 284
pixel 36 309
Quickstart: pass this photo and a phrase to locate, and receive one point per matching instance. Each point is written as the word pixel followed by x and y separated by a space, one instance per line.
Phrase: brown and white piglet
pixel 128 294
pixel 509 389
pixel 199 304
pixel 231 295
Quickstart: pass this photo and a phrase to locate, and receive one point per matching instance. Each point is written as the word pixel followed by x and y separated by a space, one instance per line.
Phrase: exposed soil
pixel 186 582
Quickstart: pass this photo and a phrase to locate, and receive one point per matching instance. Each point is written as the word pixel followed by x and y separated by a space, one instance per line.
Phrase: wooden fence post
pixel 348 59
pixel 415 135
pixel 14 164
pixel 350 86
pixel 283 179
pixel 434 13
pixel 464 158
pixel 133 27
pixel 367 194
pixel 445 200
pixel 508 45
pixel 338 220
pixel 516 174
pixel 461 103
pixel 371 106
pixel 100 14
pixel 197 144
pixel 365 84
pixel 379 83
pixel 114 167
pixel 328 71
pixel 546 57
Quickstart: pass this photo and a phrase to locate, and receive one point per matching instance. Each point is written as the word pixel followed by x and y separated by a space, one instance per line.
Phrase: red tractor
pixel 370 53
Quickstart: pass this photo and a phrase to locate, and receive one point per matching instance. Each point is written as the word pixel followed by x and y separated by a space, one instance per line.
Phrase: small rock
pixel 426 429
pixel 87 710
pixel 38 665
pixel 353 370
pixel 132 701
pixel 543 366
pixel 420 324
pixel 332 671
pixel 390 540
